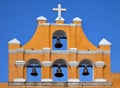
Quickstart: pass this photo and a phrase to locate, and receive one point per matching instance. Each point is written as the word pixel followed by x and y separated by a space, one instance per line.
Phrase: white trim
pixel 41 18
pixel 99 64
pixel 20 50
pixel 86 52
pixel 46 50
pixel 73 25
pixel 100 80
pixel 59 51
pixel 104 42
pixel 77 19
pixel 73 50
pixel 34 51
pixel 47 80
pixel 47 63
pixel 19 80
pixel 73 80
pixel 14 41
pixel 20 63
pixel 59 19
pixel 73 63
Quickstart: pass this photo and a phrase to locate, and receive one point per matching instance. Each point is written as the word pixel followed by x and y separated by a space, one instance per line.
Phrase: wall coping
pixel 60 84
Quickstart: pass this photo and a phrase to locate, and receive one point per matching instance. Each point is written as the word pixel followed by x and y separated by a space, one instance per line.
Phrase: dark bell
pixel 59 72
pixel 58 43
pixel 34 72
pixel 85 71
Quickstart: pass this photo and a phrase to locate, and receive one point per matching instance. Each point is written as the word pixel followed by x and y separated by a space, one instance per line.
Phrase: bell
pixel 59 72
pixel 85 71
pixel 34 72
pixel 58 43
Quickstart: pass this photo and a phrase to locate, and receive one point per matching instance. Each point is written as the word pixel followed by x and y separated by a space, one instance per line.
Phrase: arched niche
pixel 63 65
pixel 62 37
pixel 30 64
pixel 86 63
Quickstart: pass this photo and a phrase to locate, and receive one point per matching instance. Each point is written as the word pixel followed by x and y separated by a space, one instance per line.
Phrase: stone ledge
pixel 20 63
pixel 59 83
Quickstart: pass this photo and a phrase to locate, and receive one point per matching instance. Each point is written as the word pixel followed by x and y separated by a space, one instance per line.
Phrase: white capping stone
pixel 14 41
pixel 19 80
pixel 47 63
pixel 73 80
pixel 46 80
pixel 77 19
pixel 73 50
pixel 99 64
pixel 73 63
pixel 20 63
pixel 41 18
pixel 100 80
pixel 60 18
pixel 46 50
pixel 104 42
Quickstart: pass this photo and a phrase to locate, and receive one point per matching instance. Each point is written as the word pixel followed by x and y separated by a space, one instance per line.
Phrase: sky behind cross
pixel 100 19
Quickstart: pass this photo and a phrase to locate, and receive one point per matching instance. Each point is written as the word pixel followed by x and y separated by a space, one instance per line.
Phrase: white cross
pixel 59 9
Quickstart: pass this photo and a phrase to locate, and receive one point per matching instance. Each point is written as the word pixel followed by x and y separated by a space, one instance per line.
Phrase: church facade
pixel 59 55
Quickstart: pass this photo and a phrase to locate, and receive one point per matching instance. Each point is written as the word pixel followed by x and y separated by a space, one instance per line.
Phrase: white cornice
pixel 99 64
pixel 100 80
pixel 61 51
pixel 19 80
pixel 20 63
pixel 73 63
pixel 73 80
pixel 47 63
pixel 47 80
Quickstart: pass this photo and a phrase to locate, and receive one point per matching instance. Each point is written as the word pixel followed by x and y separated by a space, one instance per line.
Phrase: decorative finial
pixel 59 10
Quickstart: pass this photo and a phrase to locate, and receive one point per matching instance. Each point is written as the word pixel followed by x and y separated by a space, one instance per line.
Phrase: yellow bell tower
pixel 55 46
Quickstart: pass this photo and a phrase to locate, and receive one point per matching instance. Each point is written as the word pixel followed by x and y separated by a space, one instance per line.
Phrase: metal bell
pixel 34 72
pixel 59 72
pixel 58 43
pixel 85 71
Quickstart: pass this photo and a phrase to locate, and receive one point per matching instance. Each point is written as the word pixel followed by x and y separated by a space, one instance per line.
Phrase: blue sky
pixel 101 19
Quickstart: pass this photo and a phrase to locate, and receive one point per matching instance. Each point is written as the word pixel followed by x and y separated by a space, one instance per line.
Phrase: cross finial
pixel 59 9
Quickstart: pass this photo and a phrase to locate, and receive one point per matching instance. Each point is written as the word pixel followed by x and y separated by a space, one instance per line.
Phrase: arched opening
pixel 59 40
pixel 33 70
pixel 62 64
pixel 86 71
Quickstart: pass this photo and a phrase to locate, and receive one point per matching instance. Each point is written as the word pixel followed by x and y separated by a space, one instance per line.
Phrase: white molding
pixel 73 80
pixel 77 19
pixel 73 25
pixel 14 41
pixel 20 63
pixel 59 51
pixel 104 42
pixel 34 51
pixel 86 52
pixel 46 50
pixel 20 50
pixel 19 80
pixel 41 18
pixel 73 50
pixel 47 63
pixel 73 63
pixel 100 80
pixel 47 80
pixel 99 64
pixel 12 51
